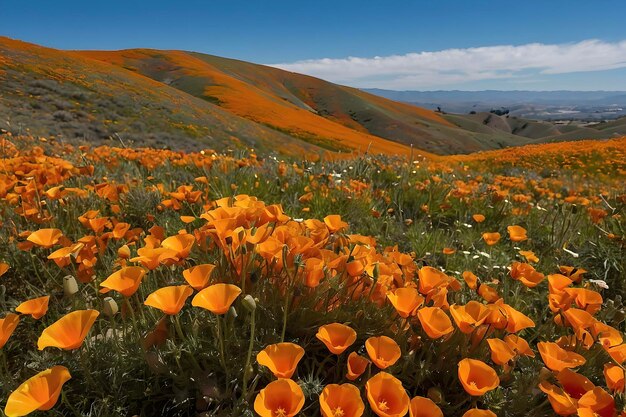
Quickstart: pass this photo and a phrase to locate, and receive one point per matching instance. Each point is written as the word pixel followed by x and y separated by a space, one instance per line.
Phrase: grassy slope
pixel 508 129
pixel 299 104
pixel 514 130
pixel 253 102
pixel 64 94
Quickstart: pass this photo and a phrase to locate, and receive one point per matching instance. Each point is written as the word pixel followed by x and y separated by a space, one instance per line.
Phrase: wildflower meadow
pixel 145 282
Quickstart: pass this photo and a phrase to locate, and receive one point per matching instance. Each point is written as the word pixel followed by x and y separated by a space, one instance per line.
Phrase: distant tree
pixel 472 112
pixel 499 112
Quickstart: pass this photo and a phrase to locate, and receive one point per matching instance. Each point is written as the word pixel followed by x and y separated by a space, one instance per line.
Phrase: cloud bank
pixel 438 69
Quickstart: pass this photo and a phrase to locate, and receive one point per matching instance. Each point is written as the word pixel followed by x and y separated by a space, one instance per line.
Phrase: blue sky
pixel 299 35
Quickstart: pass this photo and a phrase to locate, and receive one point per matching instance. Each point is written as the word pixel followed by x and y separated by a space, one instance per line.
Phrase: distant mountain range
pixel 187 100
pixel 545 105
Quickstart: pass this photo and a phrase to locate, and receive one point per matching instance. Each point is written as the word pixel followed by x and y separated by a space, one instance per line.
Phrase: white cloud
pixel 454 66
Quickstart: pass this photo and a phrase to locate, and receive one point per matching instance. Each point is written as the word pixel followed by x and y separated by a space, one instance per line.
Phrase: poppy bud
pixel 124 252
pixel 232 313
pixel 376 272
pixel 109 307
pixel 70 286
pixel 435 395
pixel 249 303
pixel 285 252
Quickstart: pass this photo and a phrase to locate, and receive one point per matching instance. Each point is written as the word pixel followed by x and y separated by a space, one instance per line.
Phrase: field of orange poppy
pixel 155 282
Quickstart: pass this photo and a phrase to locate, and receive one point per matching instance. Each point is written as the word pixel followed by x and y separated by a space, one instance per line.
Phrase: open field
pixel 202 284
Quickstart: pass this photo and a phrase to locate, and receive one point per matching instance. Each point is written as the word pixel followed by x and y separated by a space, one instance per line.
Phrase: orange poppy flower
pixel 469 316
pixel 589 300
pixel 170 300
pixel 383 351
pixel 69 331
pixel 561 402
pixel 180 244
pixel 577 318
pixel 216 298
pixel 607 336
pixel 477 377
pixel 576 385
pixel 556 358
pixel 405 300
pixel 516 321
pixel 491 238
pixel 356 366
pixel 614 376
pixel 519 345
pixel 36 308
pixel 334 223
pixel 313 272
pixel 470 279
pixel 45 238
pixel 526 274
pixel 281 358
pixel 599 401
pixel 355 268
pixel 557 283
pixel 431 278
pixel 7 327
pixel 435 322
pixel 424 407
pixel 4 267
pixel 501 352
pixel 478 218
pixel 488 293
pixel 448 251
pixel 151 257
pixel 477 412
pixel 529 255
pixel 386 395
pixel 199 276
pixel 618 353
pixel 341 400
pixel 517 233
pixel 575 274
pixel 126 281
pixel 40 392
pixel 282 397
pixel 336 336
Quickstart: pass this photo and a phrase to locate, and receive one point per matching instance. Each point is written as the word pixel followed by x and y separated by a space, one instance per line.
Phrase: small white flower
pixel 600 283
pixel 485 254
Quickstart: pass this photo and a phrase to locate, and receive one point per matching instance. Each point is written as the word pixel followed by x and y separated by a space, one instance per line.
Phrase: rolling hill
pixel 320 112
pixel 187 100
pixel 537 131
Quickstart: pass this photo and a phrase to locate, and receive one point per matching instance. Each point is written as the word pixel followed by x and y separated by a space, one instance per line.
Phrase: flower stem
pixel 221 334
pixel 248 359
pixel 285 313
pixel 179 329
